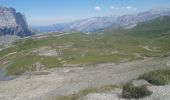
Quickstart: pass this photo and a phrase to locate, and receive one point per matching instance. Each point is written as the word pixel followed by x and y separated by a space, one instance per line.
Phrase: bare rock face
pixel 13 23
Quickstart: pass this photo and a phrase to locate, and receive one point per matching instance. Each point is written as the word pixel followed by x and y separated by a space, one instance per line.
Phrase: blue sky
pixel 45 12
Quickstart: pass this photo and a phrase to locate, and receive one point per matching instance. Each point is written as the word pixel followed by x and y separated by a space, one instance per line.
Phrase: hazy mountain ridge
pixel 143 16
pixel 13 23
pixel 98 23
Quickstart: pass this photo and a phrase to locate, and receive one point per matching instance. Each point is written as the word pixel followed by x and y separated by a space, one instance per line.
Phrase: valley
pixel 100 61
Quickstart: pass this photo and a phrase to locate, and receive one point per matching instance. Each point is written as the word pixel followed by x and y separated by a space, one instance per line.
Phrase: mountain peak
pixel 13 23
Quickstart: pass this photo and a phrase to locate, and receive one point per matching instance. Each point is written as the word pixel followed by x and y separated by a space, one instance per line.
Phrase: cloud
pixel 97 8
pixel 114 8
pixel 131 8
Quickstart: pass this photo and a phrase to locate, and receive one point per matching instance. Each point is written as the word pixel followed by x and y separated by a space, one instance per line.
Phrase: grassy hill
pixel 149 39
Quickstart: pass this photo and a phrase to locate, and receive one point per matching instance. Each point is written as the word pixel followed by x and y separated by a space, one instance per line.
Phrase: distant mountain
pixel 156 28
pixel 90 24
pixel 99 23
pixel 126 20
pixel 84 25
pixel 13 23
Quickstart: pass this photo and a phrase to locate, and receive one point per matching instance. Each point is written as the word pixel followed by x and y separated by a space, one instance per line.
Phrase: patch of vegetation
pixel 157 77
pixel 1 65
pixel 96 59
pixel 130 91
pixel 27 63
pixel 1 46
pixel 86 91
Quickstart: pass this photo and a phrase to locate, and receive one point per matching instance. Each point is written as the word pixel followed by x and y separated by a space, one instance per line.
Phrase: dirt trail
pixel 68 80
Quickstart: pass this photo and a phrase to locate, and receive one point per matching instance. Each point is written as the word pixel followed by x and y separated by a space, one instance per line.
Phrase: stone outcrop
pixel 13 23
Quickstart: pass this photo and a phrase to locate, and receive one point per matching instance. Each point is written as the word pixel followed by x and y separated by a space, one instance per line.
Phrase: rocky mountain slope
pixel 99 23
pixel 13 23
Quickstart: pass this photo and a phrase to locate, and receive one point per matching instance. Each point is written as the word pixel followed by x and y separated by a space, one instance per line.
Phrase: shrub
pixel 130 91
pixel 158 77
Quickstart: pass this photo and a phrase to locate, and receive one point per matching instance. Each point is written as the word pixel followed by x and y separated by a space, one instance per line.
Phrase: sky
pixel 46 12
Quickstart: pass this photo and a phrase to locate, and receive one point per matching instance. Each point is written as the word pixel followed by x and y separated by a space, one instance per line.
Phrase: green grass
pixel 1 65
pixel 26 62
pixel 95 52
pixel 96 59
pixel 130 91
pixel 87 91
pixel 157 77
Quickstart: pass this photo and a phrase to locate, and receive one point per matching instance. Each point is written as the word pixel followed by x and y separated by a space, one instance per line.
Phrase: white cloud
pixel 114 8
pixel 131 8
pixel 97 8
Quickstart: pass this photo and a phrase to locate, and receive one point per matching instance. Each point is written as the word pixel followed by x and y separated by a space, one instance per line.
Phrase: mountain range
pixel 14 23
pixel 99 23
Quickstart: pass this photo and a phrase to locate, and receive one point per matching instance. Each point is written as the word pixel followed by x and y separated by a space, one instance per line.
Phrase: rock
pixel 7 40
pixel 38 66
pixel 101 96
pixel 168 64
pixel 140 83
pixel 66 70
pixel 112 95
pixel 49 53
pixel 159 93
pixel 13 23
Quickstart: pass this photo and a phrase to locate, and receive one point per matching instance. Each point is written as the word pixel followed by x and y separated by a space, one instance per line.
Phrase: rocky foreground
pixel 53 83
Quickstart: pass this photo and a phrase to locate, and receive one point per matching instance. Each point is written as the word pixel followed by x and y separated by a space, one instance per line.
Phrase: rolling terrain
pixel 56 65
